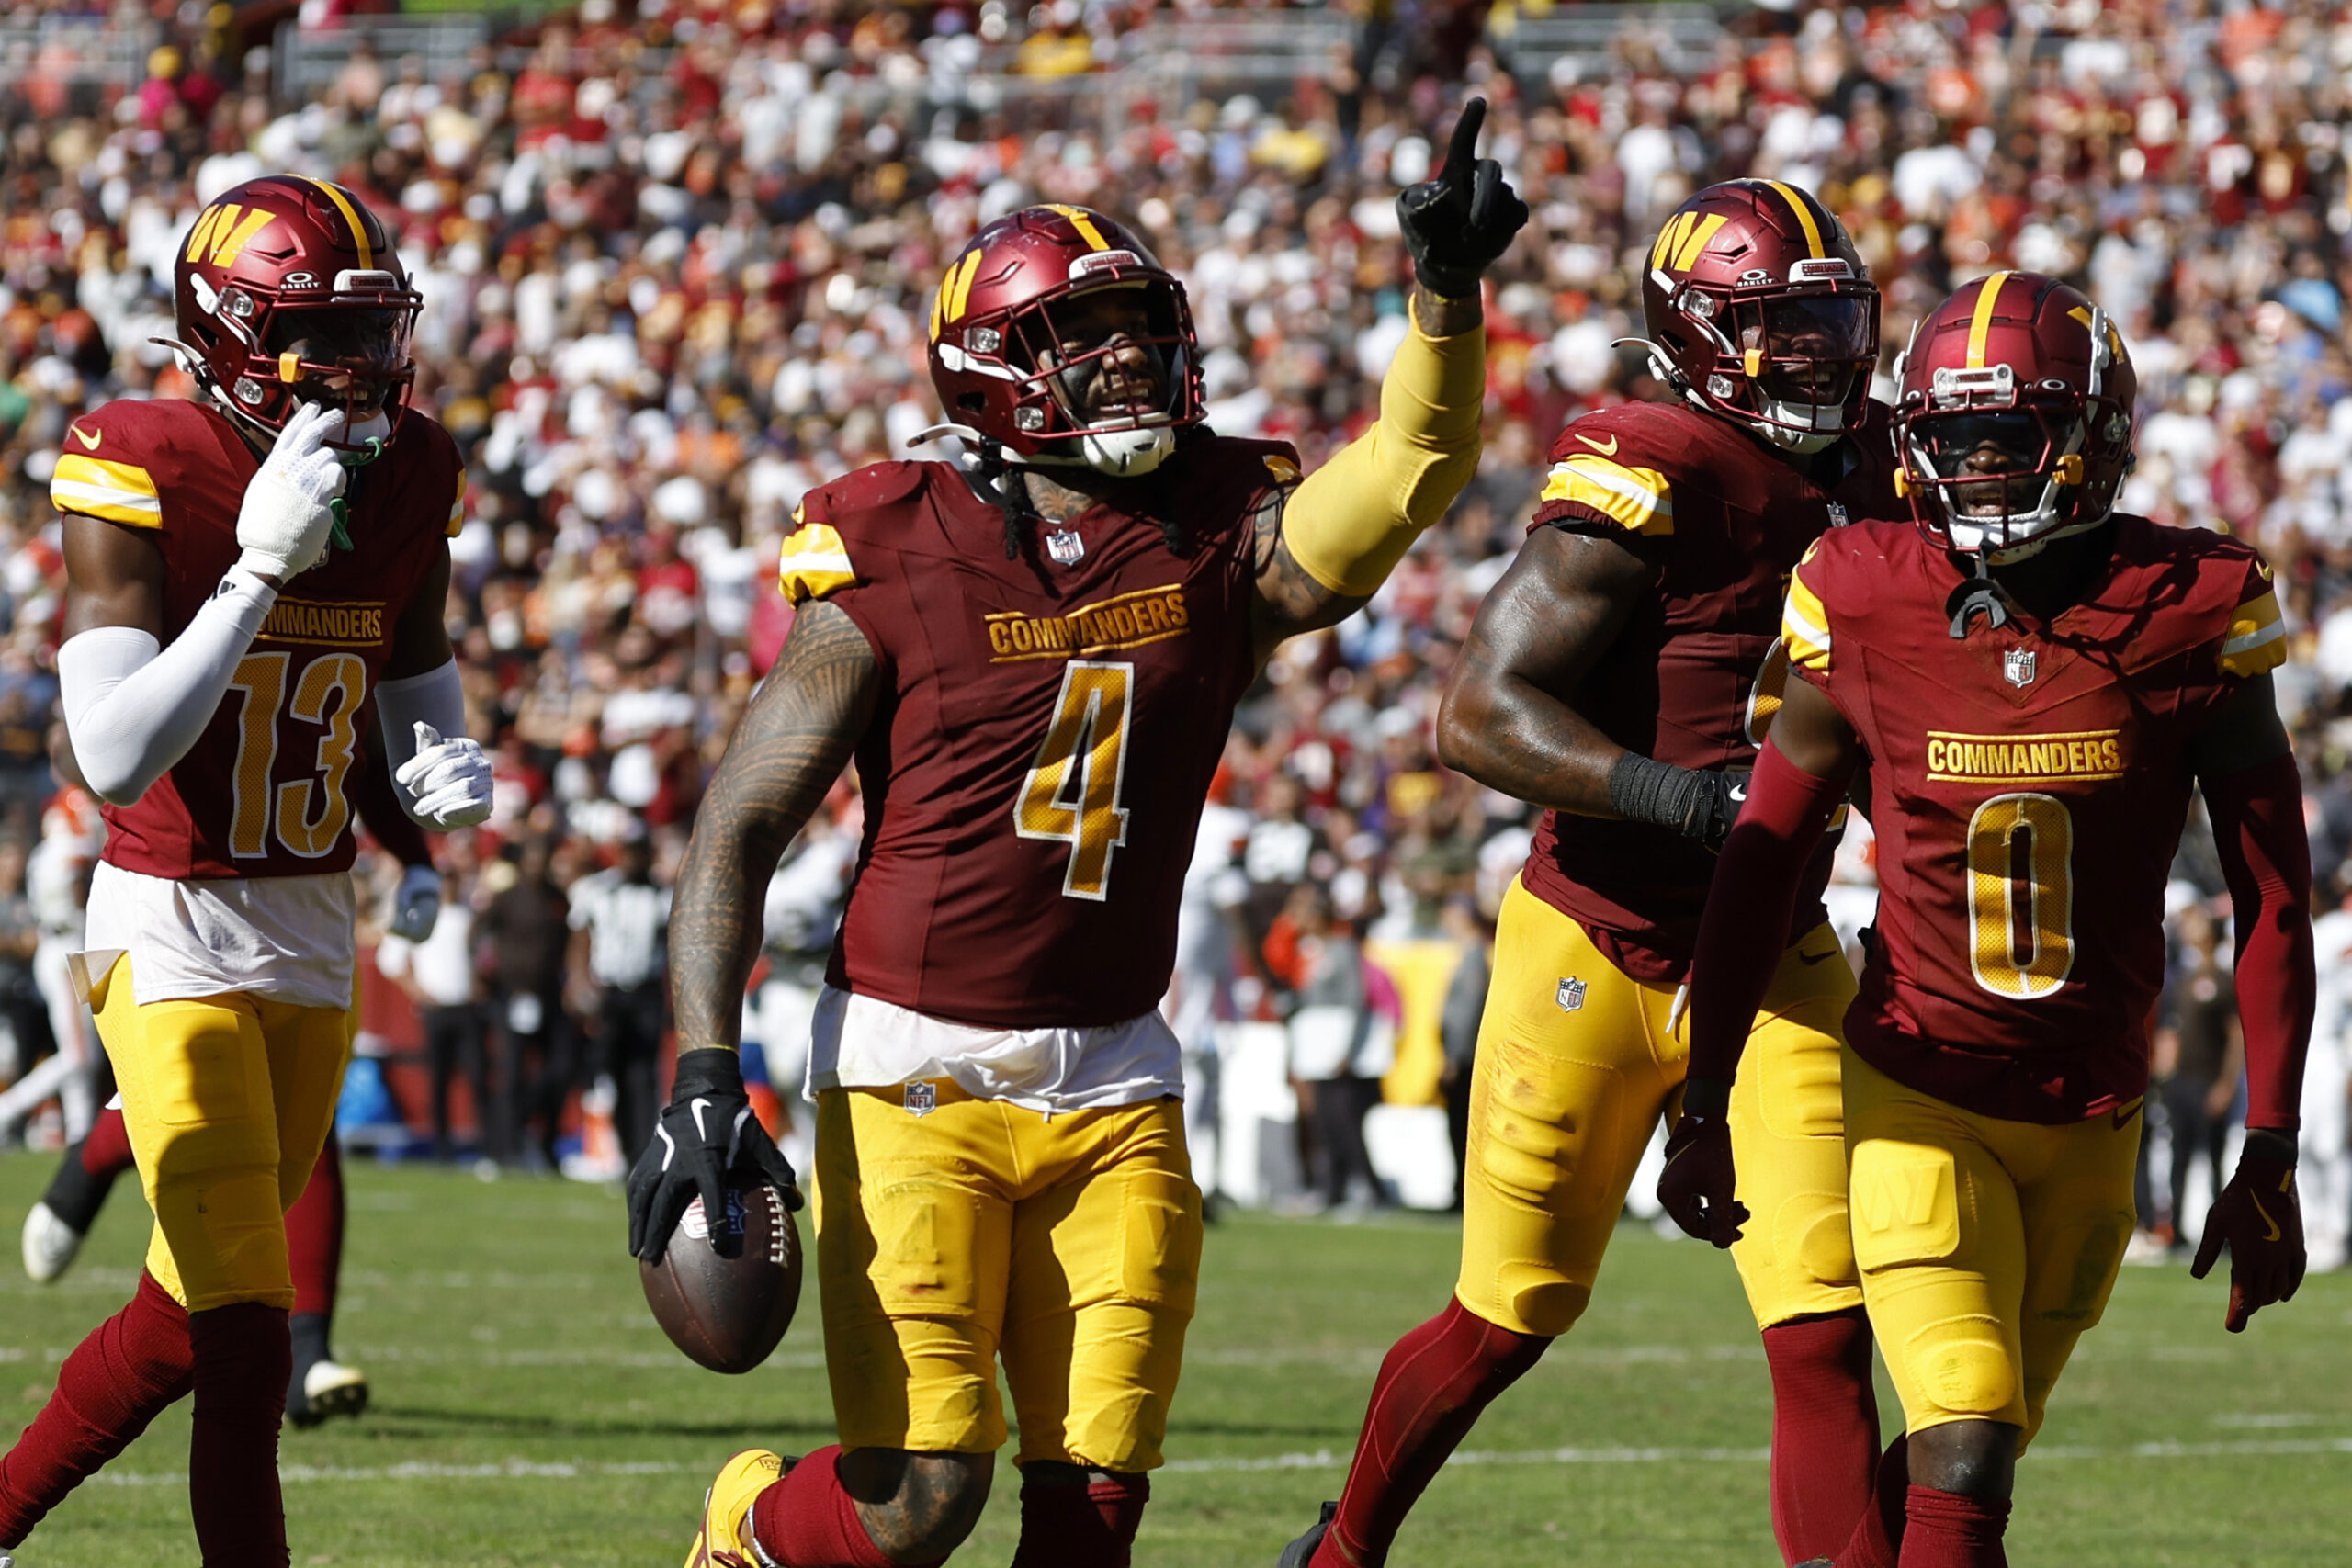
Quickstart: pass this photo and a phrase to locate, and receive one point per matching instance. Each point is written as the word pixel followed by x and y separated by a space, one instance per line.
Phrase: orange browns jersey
pixel 1035 776
pixel 264 792
pixel 1693 678
pixel 2029 787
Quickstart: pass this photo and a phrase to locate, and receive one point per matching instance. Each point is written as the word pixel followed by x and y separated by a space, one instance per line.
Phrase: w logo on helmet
pixel 1684 239
pixel 228 229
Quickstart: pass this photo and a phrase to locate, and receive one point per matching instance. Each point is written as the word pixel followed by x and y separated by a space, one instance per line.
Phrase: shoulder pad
pixel 115 460
pixel 831 520
pixel 1619 465
pixel 876 484
pixel 2234 583
pixel 423 440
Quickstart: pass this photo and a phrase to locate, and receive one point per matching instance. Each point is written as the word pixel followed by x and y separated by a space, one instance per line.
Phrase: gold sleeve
pixel 1353 519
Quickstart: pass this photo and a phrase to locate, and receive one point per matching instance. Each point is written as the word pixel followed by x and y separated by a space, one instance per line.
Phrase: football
pixel 727 1306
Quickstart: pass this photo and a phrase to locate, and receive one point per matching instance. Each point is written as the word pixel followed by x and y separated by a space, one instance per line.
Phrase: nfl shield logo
pixel 1837 518
pixel 1571 995
pixel 2016 667
pixel 1066 547
pixel 923 1099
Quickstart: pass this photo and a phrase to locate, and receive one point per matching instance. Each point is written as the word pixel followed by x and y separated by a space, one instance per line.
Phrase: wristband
pixel 1708 1099
pixel 2271 1144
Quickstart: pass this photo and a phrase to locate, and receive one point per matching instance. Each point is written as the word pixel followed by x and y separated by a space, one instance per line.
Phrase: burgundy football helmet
pixel 2014 424
pixel 287 290
pixel 1758 308
pixel 1012 309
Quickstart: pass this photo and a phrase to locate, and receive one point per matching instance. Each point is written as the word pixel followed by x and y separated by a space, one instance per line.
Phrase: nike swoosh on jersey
pixel 1609 449
pixel 1810 958
pixel 88 441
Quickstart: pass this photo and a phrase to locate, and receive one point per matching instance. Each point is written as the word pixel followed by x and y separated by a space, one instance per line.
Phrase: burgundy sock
pixel 314 1236
pixel 131 1367
pixel 1877 1540
pixel 1825 1431
pixel 1081 1527
pixel 107 1151
pixel 1431 1389
pixel 242 1357
pixel 1948 1530
pixel 806 1520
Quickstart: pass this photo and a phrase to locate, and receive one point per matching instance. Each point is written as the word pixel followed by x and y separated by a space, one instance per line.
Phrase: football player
pixel 250 573
pixel 1035 665
pixel 318 1386
pixel 2038 683
pixel 1620 675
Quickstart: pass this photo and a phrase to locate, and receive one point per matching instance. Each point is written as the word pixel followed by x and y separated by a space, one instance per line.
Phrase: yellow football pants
pixel 228 1100
pixel 1576 1062
pixel 1070 1244
pixel 1986 1246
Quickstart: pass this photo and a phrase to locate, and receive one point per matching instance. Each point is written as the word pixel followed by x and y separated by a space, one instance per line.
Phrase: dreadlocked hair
pixel 990 468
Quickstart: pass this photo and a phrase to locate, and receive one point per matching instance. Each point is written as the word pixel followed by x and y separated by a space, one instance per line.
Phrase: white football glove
pixel 447 782
pixel 288 511
pixel 417 904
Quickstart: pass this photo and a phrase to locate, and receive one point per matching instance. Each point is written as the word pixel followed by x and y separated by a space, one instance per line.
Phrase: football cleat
pixel 50 1245
pixel 326 1389
pixel 724 1538
pixel 1300 1552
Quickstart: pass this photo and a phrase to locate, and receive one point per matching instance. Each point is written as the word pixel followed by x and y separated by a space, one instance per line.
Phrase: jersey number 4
pixel 340 679
pixel 1072 792
pixel 2021 895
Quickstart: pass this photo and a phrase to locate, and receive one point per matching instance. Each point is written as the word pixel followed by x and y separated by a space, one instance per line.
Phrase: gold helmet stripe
pixel 1981 323
pixel 1803 209
pixel 350 216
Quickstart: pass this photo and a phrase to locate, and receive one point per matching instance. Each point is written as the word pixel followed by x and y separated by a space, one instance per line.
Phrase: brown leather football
pixel 727 1306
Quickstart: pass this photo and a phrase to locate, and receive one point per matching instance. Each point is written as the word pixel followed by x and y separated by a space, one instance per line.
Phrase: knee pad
pixel 1547 1128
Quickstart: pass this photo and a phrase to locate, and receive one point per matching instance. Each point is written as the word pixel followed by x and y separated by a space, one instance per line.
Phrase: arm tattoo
pixel 790 747
pixel 1289 601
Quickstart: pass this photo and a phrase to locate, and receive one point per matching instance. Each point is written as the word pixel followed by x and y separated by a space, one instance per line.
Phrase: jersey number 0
pixel 1072 792
pixel 2021 895
pixel 338 678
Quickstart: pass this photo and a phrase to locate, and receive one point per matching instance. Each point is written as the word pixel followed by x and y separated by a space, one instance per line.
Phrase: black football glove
pixel 706 1130
pixel 2260 1217
pixel 1697 1185
pixel 1457 224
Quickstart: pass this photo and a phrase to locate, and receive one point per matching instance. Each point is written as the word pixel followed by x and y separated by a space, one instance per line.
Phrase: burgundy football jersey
pixel 1035 772
pixel 264 792
pixel 1694 677
pixel 2028 786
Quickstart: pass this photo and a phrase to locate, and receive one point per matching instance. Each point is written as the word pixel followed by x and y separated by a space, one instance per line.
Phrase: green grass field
pixel 530 1413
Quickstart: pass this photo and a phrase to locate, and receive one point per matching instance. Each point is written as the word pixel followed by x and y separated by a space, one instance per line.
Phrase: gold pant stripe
pixel 1069 1245
pixel 1576 1062
pixel 228 1100
pixel 1987 1247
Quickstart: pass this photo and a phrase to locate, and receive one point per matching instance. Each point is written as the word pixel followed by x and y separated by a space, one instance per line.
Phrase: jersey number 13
pixel 1072 791
pixel 307 814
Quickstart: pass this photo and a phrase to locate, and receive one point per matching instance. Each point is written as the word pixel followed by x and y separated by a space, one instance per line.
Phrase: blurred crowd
pixel 677 256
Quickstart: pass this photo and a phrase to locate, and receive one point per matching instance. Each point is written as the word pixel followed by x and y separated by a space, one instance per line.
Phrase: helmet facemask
pixel 1793 367
pixel 1107 366
pixel 1998 482
pixel 353 359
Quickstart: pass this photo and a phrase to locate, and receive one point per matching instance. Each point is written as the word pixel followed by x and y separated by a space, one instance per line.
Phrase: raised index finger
pixel 1462 152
